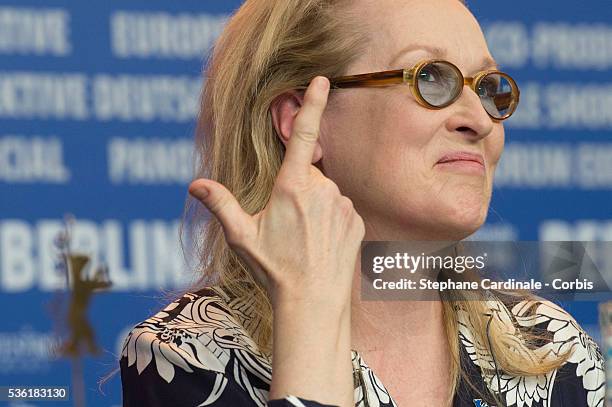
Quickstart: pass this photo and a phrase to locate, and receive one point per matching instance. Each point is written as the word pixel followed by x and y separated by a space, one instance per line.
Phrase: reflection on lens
pixel 438 83
pixel 497 95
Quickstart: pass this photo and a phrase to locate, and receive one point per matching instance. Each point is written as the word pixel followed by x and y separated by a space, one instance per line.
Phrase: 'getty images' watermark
pixel 424 270
pixel 429 262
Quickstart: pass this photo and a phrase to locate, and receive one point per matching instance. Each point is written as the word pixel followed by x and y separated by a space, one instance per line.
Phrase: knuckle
pixel 286 189
pixel 359 225
pixel 218 203
pixel 346 205
pixel 330 187
pixel 281 186
pixel 233 237
pixel 307 134
pixel 237 237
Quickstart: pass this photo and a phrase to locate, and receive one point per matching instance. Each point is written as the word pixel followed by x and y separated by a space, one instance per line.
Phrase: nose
pixel 469 116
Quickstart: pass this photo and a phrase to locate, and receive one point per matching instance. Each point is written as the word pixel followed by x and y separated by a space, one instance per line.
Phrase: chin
pixel 463 221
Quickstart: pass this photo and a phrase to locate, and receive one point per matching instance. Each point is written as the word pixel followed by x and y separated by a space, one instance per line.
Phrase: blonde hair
pixel 267 48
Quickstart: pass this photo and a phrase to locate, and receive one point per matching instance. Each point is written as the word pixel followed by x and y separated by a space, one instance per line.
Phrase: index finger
pixel 305 133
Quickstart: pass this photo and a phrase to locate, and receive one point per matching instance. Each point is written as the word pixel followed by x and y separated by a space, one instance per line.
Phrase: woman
pixel 296 180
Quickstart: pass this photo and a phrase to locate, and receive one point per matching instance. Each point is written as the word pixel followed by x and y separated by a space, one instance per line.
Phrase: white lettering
pixel 578 106
pixel 580 46
pixel 534 165
pixel 594 163
pixel 28 255
pixel 147 161
pixel 509 42
pixel 145 98
pixel 32 159
pixel 16 264
pixel 34 31
pixel 162 35
pixel 43 96
pixel 584 230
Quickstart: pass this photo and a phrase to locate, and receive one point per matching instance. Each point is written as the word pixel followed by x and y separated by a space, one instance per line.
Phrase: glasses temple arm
pixel 382 78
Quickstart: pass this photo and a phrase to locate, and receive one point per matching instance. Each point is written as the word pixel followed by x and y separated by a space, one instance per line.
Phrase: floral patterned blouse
pixel 196 352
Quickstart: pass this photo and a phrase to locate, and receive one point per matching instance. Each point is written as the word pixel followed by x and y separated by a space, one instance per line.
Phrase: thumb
pixel 223 205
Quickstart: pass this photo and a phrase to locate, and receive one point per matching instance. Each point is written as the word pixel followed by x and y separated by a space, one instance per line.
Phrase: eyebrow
pixel 437 52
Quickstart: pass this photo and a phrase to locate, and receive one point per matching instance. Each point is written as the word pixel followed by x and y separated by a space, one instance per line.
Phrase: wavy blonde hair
pixel 267 48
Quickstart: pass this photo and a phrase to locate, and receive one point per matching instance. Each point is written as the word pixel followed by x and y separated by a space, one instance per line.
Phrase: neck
pixel 387 325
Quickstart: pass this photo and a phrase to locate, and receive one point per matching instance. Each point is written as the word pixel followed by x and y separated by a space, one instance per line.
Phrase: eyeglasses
pixel 438 83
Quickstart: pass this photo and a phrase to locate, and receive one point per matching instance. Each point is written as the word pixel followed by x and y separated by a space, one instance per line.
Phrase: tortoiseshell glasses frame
pixel 507 99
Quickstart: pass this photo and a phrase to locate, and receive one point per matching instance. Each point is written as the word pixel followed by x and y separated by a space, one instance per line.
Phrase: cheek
pixel 347 146
pixel 384 129
pixel 402 153
pixel 494 146
pixel 404 132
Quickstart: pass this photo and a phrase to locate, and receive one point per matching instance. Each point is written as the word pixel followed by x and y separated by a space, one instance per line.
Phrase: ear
pixel 284 109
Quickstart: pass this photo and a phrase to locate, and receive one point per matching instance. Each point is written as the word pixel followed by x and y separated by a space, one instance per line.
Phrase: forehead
pixel 398 28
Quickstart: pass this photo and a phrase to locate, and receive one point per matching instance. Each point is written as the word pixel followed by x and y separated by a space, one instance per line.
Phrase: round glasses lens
pixel 439 83
pixel 497 95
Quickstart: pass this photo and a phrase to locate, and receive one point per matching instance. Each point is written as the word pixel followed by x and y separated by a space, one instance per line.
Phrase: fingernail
pixel 322 83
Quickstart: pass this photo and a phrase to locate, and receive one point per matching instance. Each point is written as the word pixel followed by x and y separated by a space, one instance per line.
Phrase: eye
pixel 488 86
pixel 438 82
pixel 430 74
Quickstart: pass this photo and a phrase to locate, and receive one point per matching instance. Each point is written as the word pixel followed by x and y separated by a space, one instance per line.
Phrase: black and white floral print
pixel 196 352
pixel 369 390
pixel 585 366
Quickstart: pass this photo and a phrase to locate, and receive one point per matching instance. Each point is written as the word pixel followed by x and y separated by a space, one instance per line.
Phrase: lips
pixel 461 156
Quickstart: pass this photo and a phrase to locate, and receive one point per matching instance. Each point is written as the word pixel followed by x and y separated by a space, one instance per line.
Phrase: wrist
pixel 333 304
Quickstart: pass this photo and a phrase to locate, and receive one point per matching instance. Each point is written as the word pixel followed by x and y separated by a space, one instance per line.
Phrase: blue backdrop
pixel 97 105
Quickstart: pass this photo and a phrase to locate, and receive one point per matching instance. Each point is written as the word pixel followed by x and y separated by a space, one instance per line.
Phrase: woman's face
pixel 383 149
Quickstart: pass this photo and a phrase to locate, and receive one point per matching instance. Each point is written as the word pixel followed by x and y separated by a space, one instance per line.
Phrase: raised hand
pixel 303 248
pixel 304 243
